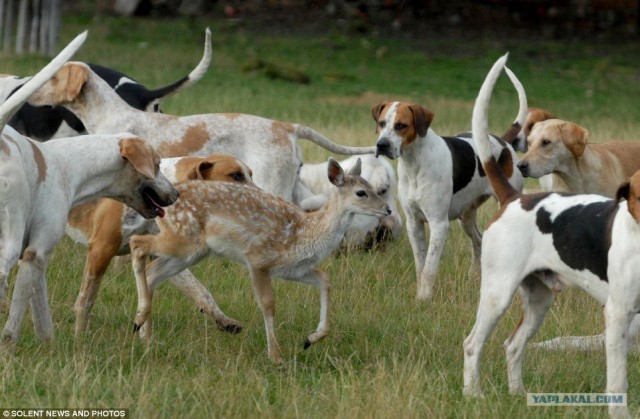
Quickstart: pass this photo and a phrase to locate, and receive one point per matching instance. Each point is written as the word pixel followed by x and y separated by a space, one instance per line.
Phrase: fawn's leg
pixel 261 282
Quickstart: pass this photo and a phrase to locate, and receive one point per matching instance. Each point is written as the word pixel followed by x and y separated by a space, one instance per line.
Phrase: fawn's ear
pixel 335 172
pixel 357 169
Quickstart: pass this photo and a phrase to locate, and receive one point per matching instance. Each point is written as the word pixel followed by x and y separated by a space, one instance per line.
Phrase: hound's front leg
pixel 41 311
pixel 618 317
pixel 31 269
pixel 418 241
pixel 437 238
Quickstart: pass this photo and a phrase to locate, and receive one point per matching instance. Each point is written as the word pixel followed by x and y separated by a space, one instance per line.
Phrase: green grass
pixel 387 355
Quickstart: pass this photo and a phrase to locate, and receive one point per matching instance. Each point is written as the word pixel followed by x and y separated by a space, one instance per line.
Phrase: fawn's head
pixel 356 195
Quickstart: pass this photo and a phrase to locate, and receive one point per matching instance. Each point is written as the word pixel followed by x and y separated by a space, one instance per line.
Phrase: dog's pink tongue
pixel 158 208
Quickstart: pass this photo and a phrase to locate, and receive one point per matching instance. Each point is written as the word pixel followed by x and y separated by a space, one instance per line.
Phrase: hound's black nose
pixel 523 166
pixel 383 147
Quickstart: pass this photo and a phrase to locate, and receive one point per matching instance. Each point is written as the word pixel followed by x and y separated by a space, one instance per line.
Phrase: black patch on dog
pixel 464 162
pixel 42 122
pixel 581 235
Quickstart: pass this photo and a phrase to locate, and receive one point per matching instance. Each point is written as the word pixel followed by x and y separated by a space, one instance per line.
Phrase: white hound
pixel 40 182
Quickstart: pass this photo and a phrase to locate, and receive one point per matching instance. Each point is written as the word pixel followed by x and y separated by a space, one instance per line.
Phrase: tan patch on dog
pixel 505 160
pixel 40 162
pixel 417 120
pixel 81 217
pixel 4 148
pixel 216 167
pixel 281 132
pixel 74 79
pixel 535 115
pixel 29 255
pixel 140 155
pixel 405 116
pixel 631 192
pixel 574 136
pixel 232 116
pixel 627 154
pixel 194 138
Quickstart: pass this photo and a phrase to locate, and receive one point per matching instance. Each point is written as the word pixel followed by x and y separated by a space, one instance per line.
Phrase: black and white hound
pixel 539 241
pixel 45 122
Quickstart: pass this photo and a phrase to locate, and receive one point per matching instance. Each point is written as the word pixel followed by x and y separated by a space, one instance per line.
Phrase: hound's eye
pixel 546 142
pixel 362 194
pixel 237 176
pixel 382 124
pixel 382 192
pixel 399 126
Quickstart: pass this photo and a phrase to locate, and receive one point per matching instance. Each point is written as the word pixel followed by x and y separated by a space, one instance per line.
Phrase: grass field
pixel 387 355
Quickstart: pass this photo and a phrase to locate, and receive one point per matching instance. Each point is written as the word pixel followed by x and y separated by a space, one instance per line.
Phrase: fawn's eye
pixel 362 194
pixel 546 142
pixel 399 126
pixel 382 192
pixel 237 176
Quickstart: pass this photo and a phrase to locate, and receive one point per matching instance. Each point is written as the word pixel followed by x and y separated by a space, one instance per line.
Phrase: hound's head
pixel 140 184
pixel 534 115
pixel 398 124
pixel 63 88
pixel 9 84
pixel 216 167
pixel 552 144
pixel 630 190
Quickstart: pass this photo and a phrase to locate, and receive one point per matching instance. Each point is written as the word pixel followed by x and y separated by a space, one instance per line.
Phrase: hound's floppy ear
pixel 139 155
pixel 335 172
pixel 202 171
pixel 377 110
pixel 574 137
pixel 422 118
pixel 623 191
pixel 357 169
pixel 74 76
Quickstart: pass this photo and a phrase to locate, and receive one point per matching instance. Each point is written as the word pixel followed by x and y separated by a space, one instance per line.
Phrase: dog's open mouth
pixel 151 198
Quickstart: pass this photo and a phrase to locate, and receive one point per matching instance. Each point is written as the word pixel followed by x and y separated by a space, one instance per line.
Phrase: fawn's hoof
pixel 136 327
pixel 233 328
pixel 307 343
